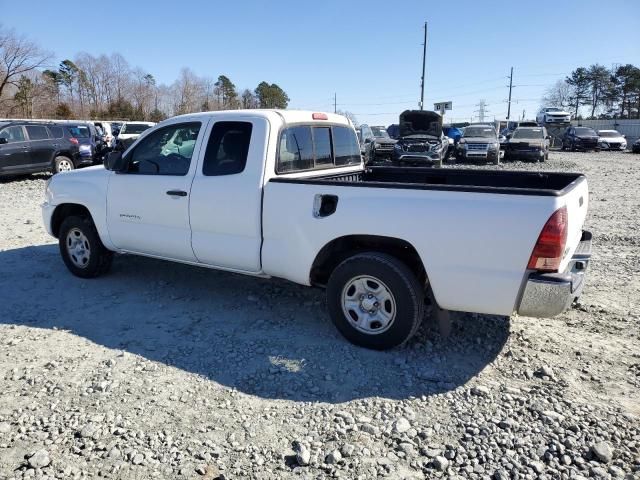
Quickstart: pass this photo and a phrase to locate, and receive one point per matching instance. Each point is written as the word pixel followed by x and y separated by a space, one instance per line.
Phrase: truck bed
pixel 461 180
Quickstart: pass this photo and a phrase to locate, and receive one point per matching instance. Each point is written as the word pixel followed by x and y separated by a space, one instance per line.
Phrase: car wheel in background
pixel 81 248
pixel 375 300
pixel 63 164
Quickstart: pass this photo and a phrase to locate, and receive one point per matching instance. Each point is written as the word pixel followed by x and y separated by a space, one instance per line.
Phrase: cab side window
pixel 227 149
pixel 13 134
pixel 167 151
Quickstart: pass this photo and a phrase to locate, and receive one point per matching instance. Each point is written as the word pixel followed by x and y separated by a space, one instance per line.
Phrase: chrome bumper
pixel 549 294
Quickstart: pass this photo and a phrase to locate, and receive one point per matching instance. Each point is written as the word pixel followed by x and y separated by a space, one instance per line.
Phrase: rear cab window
pixel 316 147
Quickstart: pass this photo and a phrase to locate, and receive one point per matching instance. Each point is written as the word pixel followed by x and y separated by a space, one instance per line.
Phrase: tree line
pixel 605 92
pixel 107 86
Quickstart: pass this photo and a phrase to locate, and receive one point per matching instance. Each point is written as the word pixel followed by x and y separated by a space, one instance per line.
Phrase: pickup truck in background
pixel 273 193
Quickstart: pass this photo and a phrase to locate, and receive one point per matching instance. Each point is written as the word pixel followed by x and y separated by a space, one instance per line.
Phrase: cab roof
pixel 284 116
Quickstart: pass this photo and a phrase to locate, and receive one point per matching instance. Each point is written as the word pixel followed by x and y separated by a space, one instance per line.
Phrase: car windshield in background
pixel 553 110
pixel 609 133
pixel 585 131
pixel 379 132
pixel 527 133
pixel 80 131
pixel 133 128
pixel 484 132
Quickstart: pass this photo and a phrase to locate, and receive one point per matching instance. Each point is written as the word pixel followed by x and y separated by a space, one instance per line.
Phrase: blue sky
pixel 368 53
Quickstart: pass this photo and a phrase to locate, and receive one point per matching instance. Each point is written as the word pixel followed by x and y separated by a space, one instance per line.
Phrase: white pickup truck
pixel 285 194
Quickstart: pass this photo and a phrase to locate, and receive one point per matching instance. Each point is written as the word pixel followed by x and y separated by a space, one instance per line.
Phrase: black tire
pixel 99 258
pixel 406 293
pixel 63 164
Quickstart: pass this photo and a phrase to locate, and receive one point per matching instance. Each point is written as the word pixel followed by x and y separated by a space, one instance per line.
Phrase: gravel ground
pixel 160 370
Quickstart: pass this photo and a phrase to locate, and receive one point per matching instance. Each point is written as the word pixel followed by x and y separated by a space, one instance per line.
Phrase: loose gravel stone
pixel 39 459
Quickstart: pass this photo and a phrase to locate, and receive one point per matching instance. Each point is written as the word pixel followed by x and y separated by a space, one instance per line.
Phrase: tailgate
pixel 577 201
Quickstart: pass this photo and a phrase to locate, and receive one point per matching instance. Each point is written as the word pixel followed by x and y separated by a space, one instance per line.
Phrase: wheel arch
pixel 65 210
pixel 339 249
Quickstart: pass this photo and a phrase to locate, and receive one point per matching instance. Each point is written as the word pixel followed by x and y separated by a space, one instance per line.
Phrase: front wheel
pixel 81 248
pixel 375 301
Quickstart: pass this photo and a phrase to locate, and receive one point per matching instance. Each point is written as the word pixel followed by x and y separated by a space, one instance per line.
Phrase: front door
pixel 148 205
pixel 14 155
pixel 226 197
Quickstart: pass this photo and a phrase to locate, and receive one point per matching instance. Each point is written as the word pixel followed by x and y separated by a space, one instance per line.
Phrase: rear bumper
pixel 549 294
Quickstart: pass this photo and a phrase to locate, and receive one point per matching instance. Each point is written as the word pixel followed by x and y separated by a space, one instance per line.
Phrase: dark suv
pixel 31 147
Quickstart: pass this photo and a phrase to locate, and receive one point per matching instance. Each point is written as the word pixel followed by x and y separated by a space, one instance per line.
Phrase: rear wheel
pixel 81 248
pixel 63 164
pixel 375 301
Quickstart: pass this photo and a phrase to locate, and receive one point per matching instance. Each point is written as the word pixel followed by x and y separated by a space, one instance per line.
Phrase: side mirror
pixel 115 162
pixel 367 140
pixel 3 140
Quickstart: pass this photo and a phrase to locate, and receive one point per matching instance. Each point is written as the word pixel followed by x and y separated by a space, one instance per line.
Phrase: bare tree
pixel 559 95
pixel 18 56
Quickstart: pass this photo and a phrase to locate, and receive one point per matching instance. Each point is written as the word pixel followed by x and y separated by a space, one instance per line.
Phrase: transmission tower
pixel 482 110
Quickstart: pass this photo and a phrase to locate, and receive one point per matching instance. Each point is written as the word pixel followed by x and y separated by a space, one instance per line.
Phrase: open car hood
pixel 420 122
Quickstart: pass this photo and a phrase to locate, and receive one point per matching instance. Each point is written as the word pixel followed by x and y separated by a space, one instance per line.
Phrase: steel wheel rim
pixel 368 305
pixel 64 166
pixel 78 248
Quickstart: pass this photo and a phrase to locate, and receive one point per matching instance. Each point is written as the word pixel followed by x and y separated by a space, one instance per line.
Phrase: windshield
pixel 80 131
pixel 484 132
pixel 134 128
pixel 585 131
pixel 379 132
pixel 609 133
pixel 553 109
pixel 528 133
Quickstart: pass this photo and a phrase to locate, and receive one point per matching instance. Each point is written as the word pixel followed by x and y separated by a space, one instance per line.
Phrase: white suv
pixel 553 115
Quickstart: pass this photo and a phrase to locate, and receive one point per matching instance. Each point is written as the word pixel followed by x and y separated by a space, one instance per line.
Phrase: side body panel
pixel 474 246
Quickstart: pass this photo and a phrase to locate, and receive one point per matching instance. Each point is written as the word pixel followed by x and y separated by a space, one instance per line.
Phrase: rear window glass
pixel 227 149
pixel 296 149
pixel 322 143
pixel 345 144
pixel 305 148
pixel 56 132
pixel 37 132
pixel 79 131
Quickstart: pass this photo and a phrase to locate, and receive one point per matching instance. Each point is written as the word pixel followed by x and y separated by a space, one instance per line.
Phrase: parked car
pixel 611 140
pixel 528 143
pixel 513 124
pixel 479 142
pixel 129 132
pixel 376 143
pixel 452 132
pixel 554 115
pixel 90 141
pixel 30 147
pixel 580 138
pixel 394 131
pixel 635 148
pixel 421 141
pixel 380 239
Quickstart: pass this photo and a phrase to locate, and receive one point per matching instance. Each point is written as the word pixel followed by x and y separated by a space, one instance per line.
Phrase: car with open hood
pixel 479 142
pixel 528 143
pixel 421 141
pixel 611 140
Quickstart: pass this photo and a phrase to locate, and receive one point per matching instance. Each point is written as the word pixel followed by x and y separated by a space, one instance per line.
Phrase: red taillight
pixel 547 254
pixel 74 140
pixel 320 116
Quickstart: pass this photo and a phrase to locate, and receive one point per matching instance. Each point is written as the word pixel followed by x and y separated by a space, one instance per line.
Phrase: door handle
pixel 177 193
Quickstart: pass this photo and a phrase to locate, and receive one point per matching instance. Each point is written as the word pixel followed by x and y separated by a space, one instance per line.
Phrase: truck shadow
pixel 268 338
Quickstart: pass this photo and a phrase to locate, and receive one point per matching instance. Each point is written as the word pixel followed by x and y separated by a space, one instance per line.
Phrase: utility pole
pixel 424 57
pixel 335 103
pixel 509 101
